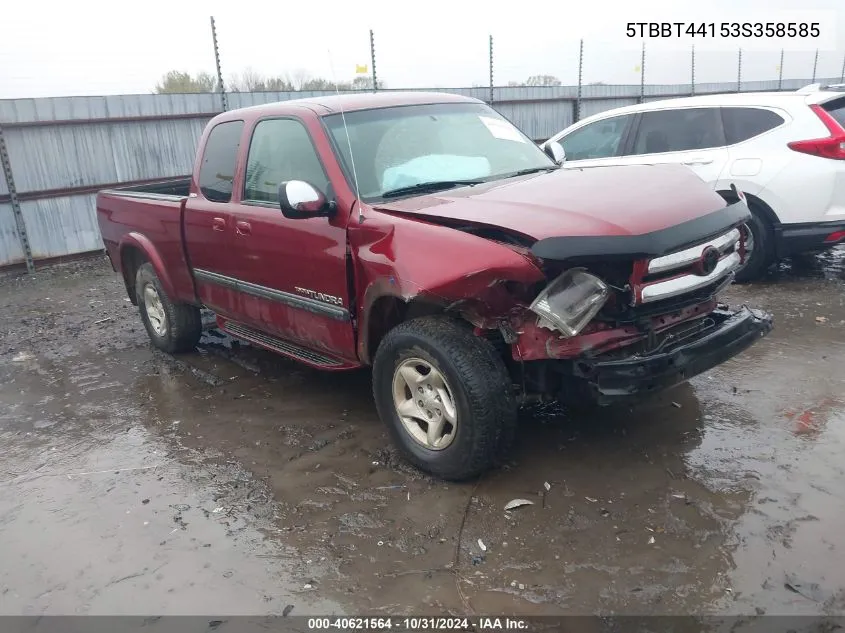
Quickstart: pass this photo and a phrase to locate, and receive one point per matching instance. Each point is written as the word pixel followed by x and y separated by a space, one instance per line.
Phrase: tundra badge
pixel 319 296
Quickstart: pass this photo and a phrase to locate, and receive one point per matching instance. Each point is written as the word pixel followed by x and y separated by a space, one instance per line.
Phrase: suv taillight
pixel 831 147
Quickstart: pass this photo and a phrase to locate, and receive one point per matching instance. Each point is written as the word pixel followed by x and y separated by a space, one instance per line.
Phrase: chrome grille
pixel 689 256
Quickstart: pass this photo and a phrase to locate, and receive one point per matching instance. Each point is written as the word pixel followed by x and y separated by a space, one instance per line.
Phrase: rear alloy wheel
pixel 759 248
pixel 445 396
pixel 172 327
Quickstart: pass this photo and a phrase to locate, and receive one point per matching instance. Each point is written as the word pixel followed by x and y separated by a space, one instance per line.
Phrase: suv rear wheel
pixel 759 247
pixel 445 397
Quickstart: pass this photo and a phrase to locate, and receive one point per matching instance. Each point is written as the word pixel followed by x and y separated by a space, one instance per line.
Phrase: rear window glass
pixel 742 124
pixel 217 172
pixel 836 109
pixel 679 130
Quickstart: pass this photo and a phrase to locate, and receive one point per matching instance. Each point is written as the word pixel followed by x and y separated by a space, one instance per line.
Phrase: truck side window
pixel 600 139
pixel 281 150
pixel 679 130
pixel 217 172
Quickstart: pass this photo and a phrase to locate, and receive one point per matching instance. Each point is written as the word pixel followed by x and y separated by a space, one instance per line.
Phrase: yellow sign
pixel 360 70
pixel 637 68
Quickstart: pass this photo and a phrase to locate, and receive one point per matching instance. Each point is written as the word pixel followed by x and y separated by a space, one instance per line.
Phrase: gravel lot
pixel 233 481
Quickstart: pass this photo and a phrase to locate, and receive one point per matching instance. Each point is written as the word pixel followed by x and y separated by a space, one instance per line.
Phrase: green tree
pixel 176 81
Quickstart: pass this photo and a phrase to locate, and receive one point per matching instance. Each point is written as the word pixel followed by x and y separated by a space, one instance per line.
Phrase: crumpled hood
pixel 596 201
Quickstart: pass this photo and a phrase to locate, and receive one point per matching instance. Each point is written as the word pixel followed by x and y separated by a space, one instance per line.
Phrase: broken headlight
pixel 570 301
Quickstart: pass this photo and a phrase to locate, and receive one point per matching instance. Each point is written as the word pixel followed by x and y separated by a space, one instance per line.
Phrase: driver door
pixel 295 269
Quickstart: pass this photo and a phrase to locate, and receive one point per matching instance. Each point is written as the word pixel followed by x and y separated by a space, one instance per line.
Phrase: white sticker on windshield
pixel 502 129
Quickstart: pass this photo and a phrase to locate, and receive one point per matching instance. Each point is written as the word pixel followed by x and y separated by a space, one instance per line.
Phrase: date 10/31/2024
pixel 492 623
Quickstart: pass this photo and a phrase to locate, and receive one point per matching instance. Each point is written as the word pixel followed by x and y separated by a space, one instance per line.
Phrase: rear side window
pixel 836 109
pixel 742 124
pixel 600 139
pixel 679 130
pixel 217 172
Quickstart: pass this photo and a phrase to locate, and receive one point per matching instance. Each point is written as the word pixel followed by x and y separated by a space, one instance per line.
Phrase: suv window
pixel 281 150
pixel 742 124
pixel 217 172
pixel 679 130
pixel 836 109
pixel 600 139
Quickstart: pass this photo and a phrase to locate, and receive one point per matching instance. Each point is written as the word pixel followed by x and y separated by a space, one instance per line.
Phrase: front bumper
pixel 611 381
pixel 806 237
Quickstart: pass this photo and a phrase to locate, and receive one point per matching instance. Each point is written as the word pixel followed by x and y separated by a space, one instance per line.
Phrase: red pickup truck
pixel 425 235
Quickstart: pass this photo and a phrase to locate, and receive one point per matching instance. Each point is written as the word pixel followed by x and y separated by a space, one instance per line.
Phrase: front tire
pixel 445 396
pixel 172 327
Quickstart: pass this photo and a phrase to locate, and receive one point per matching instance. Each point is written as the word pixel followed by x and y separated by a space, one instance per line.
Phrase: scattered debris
pixel 604 512
pixel 482 546
pixel 517 503
pixel 380 543
pixel 651 540
pixel 590 499
pixel 21 357
pixel 679 496
pixel 218 510
pixel 286 611
pixel 521 587
pixel 821 319
pixel 547 486
pixel 145 501
pixel 102 320
pixel 809 590
pixel 181 507
pixel 676 405
pixel 307 585
pixel 477 560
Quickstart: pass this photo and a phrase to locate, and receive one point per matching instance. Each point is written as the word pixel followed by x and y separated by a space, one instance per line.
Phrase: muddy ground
pixel 234 481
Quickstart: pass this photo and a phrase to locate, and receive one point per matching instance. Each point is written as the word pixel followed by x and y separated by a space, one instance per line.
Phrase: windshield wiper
pixel 425 187
pixel 530 170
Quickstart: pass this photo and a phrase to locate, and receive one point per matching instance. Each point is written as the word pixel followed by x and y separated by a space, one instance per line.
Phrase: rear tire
pixel 432 361
pixel 762 255
pixel 172 327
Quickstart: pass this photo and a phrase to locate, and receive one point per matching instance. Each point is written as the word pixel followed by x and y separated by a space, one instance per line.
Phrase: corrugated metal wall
pixel 62 148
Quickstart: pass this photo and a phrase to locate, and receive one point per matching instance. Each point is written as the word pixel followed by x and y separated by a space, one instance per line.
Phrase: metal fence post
pixel 815 66
pixel 692 69
pixel 642 76
pixel 580 82
pixel 373 59
pixel 780 71
pixel 20 225
pixel 739 72
pixel 842 74
pixel 223 99
pixel 490 61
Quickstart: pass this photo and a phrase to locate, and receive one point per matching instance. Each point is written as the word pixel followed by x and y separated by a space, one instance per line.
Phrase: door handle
pixel 699 161
pixel 218 224
pixel 243 228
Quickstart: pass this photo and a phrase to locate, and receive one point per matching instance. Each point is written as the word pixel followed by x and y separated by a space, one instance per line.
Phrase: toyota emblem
pixel 708 261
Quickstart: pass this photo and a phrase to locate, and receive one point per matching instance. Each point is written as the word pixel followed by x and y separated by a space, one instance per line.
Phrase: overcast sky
pixel 89 48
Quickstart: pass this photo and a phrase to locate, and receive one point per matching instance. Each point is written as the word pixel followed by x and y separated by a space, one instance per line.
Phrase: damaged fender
pixel 480 278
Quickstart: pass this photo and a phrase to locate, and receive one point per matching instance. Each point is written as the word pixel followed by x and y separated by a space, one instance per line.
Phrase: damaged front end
pixel 636 318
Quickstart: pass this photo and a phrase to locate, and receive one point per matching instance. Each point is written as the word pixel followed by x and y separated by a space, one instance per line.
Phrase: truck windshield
pixel 407 150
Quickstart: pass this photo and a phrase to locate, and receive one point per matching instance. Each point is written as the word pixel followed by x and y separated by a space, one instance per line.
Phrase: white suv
pixel 784 150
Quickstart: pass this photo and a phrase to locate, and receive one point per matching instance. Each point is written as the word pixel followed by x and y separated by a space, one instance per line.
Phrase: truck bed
pixel 178 187
pixel 147 219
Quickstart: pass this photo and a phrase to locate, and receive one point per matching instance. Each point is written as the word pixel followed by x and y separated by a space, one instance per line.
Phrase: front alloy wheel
pixel 424 404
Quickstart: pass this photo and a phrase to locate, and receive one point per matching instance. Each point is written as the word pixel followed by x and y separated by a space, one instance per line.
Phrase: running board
pixel 281 346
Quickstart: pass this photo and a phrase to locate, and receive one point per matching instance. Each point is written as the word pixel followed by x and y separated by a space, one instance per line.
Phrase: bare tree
pixel 542 80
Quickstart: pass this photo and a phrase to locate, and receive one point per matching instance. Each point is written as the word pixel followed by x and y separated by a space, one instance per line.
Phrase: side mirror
pixel 554 150
pixel 299 199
